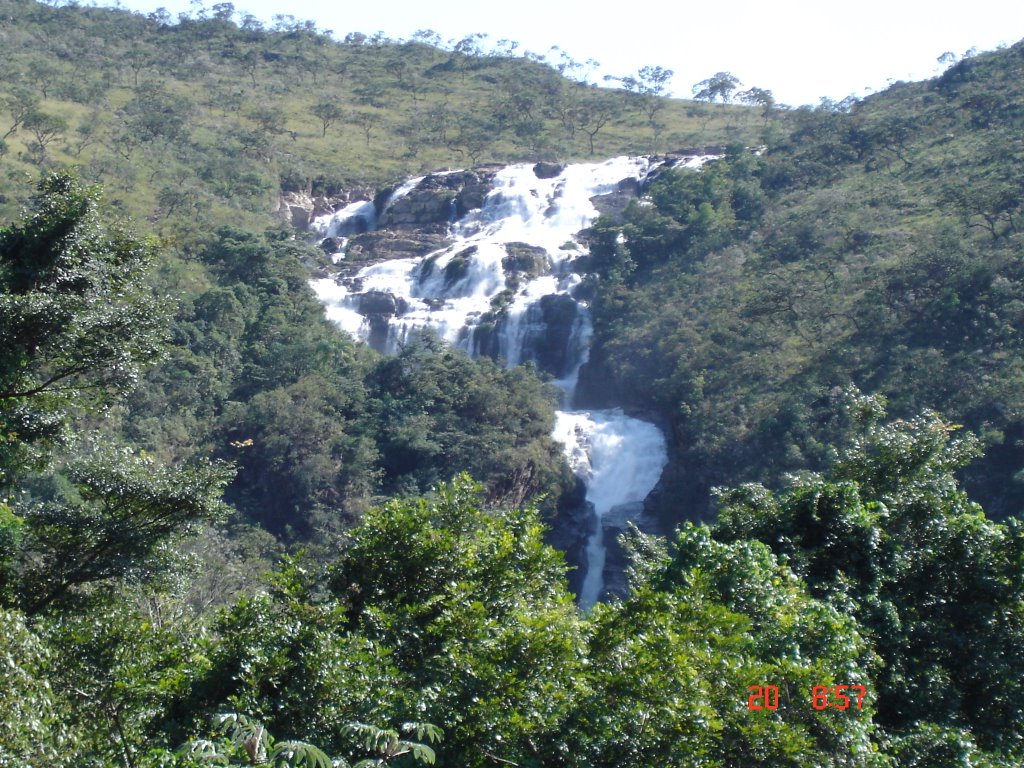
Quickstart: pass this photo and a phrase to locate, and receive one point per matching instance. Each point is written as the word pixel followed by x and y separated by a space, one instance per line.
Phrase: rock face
pixel 378 307
pixel 296 209
pixel 615 523
pixel 300 208
pixel 548 170
pixel 384 244
pixel 560 314
pixel 437 201
pixel 547 331
pixel 569 531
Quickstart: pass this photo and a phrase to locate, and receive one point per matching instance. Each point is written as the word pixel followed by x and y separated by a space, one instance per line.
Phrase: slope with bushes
pixel 878 246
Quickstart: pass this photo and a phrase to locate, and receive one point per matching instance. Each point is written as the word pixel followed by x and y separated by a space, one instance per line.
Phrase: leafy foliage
pixel 76 317
pixel 891 536
pixel 30 720
pixel 125 512
pixel 247 742
pixel 873 242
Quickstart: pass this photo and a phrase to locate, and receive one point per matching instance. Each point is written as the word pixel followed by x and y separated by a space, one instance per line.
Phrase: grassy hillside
pixel 204 120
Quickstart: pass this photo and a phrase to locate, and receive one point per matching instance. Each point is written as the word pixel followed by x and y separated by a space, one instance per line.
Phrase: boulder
pixel 295 209
pixel 614 203
pixel 437 201
pixel 378 303
pixel 458 266
pixel 686 153
pixel 380 245
pixel 300 208
pixel 529 260
pixel 545 170
pixel 471 197
pixel 331 245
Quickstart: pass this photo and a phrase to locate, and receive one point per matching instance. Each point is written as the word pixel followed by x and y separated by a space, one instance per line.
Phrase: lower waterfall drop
pixel 620 459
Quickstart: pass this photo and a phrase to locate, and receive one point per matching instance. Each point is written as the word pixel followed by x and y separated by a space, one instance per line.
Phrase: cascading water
pixel 620 460
pixel 504 285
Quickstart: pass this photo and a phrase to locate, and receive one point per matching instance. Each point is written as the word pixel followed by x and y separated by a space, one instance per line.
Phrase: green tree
pixel 651 83
pixel 46 129
pixel 889 534
pixel 328 113
pixel 470 627
pixel 758 97
pixel 719 86
pixel 31 728
pixel 117 677
pixel 592 116
pixel 476 614
pixel 77 318
pixel 125 510
pixel 671 665
pixel 21 104
pixel 247 742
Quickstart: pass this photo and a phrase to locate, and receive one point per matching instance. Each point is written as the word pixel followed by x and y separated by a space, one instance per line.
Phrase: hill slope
pixel 204 120
pixel 878 247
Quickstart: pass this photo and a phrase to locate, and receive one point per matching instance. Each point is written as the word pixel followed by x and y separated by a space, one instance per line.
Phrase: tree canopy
pixel 76 314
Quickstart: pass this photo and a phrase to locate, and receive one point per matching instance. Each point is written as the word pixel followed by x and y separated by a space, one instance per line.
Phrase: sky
pixel 801 50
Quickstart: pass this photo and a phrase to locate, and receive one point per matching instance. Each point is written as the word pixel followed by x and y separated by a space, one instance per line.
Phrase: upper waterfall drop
pixel 503 282
pixel 490 289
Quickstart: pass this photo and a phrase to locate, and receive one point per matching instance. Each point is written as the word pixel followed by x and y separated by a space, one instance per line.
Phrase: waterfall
pixel 620 460
pixel 504 284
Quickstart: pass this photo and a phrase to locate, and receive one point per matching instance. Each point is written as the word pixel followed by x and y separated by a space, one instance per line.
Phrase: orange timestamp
pixel 822 696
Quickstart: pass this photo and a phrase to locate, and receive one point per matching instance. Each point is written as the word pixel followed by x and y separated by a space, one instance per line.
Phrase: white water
pixel 619 458
pixel 343 221
pixel 521 208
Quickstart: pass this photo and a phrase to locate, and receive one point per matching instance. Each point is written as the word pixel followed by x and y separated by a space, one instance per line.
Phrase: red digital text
pixel 766 697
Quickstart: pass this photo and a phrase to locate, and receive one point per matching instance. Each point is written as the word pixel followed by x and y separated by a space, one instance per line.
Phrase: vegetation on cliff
pixel 878 246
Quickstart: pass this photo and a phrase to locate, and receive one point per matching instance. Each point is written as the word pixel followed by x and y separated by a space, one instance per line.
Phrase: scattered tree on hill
pixel 758 97
pixel 46 129
pixel 593 116
pixel 719 86
pixel 21 104
pixel 327 112
pixel 651 84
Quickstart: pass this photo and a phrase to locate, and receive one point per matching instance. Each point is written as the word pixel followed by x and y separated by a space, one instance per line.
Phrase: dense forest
pixel 231 535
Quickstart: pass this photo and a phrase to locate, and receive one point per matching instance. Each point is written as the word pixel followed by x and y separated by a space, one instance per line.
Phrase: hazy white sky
pixel 799 49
